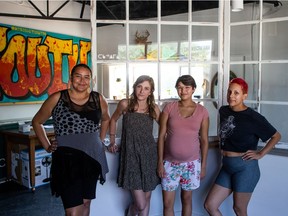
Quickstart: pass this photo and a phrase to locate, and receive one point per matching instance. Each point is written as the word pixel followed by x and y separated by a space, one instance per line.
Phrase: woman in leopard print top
pixel 81 120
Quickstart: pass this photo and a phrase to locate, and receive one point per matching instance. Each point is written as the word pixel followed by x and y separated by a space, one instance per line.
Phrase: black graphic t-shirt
pixel 241 131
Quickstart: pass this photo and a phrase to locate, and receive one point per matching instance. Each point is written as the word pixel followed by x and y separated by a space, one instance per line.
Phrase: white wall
pixel 112 200
pixel 269 198
pixel 79 29
pixel 271 194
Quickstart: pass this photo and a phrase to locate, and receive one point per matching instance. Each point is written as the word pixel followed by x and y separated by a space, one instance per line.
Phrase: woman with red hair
pixel 240 130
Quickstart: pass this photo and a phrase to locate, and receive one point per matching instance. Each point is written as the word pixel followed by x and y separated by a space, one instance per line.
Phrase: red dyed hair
pixel 242 83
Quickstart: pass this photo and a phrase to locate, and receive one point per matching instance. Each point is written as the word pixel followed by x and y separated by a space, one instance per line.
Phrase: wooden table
pixel 30 139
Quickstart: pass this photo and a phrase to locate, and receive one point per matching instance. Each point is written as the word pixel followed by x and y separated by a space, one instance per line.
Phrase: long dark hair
pixel 74 69
pixel 150 100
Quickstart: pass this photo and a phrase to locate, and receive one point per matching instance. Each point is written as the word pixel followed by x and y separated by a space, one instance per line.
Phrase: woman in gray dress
pixel 138 152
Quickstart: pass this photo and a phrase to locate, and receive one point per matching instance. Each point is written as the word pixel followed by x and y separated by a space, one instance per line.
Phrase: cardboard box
pixel 16 162
pixel 43 161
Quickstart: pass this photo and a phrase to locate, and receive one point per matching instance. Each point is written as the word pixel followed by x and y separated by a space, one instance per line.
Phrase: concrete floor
pixel 16 200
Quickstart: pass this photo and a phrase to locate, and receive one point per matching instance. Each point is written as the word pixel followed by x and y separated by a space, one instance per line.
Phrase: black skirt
pixel 69 166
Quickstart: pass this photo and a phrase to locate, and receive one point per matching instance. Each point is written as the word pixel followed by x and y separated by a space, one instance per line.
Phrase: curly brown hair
pixel 150 100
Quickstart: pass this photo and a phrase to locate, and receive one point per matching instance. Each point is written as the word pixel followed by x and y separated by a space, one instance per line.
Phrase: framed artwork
pixel 35 64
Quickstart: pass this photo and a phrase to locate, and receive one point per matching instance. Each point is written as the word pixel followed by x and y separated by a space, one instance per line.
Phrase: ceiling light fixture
pixel 237 5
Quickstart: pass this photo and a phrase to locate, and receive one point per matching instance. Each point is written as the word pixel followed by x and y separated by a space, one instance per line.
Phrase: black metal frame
pixel 49 16
pixel 113 7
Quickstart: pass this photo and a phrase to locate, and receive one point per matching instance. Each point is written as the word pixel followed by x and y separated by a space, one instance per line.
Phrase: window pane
pixel 245 41
pixel 213 116
pixel 111 10
pixel 172 36
pixel 277 116
pixel 111 78
pixel 250 12
pixel 204 43
pixel 174 10
pixel 140 10
pixel 273 9
pixel 274 82
pixel 143 42
pixel 275 40
pixel 138 69
pixel 212 80
pixel 205 11
pixel 111 46
pixel 203 78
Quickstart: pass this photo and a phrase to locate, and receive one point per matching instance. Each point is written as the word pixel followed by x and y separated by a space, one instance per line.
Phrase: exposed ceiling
pixel 116 10
pixel 111 9
pixel 146 9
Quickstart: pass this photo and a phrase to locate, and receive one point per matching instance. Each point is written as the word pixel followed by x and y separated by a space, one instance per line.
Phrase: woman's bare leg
pixel 186 199
pixel 168 202
pixel 241 201
pixel 214 199
pixel 141 203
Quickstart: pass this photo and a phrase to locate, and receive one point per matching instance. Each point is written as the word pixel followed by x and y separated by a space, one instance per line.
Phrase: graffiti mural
pixel 35 64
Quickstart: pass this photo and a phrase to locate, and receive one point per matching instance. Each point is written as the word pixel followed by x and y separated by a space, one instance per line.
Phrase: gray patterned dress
pixel 138 155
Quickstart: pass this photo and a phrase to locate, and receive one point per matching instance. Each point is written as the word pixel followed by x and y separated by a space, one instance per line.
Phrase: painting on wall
pixel 34 64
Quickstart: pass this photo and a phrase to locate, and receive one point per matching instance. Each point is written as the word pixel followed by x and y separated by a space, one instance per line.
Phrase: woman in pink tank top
pixel 182 146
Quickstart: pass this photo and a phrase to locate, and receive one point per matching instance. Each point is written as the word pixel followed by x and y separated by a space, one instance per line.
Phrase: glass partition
pixel 143 43
pixel 111 45
pixel 111 80
pixel 245 42
pixel 213 117
pixel 250 12
pixel 275 9
pixel 274 82
pixel 277 116
pixel 275 41
pixel 142 10
pixel 111 10
pixel 172 37
pixel 178 13
pixel 204 43
pixel 178 41
pixel 209 8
